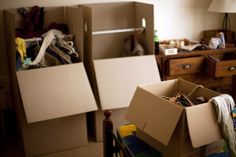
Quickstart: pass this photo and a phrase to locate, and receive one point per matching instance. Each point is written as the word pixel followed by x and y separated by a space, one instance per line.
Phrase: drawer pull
pixel 232 68
pixel 186 66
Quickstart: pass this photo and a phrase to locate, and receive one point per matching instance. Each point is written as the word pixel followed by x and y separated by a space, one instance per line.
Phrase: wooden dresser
pixel 214 69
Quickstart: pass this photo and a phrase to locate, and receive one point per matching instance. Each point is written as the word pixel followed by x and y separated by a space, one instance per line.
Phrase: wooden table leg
pixel 107 135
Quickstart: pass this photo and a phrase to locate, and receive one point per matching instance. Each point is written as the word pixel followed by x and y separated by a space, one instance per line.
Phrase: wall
pixel 173 18
pixel 185 18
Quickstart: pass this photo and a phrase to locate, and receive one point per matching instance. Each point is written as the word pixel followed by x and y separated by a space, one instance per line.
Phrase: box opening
pixel 67 48
pixel 111 23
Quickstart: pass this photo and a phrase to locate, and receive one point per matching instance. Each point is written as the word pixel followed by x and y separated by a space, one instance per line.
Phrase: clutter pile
pixel 38 47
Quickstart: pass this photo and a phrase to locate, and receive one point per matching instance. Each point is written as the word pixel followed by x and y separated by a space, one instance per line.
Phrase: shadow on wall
pixel 200 4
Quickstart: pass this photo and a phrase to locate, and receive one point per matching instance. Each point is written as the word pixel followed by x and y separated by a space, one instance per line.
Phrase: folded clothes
pixel 223 154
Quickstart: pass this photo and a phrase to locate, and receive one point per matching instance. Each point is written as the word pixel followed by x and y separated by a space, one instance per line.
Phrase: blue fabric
pixel 136 147
pixel 18 62
pixel 140 149
pixel 223 154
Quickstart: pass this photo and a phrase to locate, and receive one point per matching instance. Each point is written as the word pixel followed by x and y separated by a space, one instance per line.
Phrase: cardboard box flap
pixel 203 129
pixel 74 21
pixel 143 113
pixel 118 78
pixel 164 88
pixel 55 92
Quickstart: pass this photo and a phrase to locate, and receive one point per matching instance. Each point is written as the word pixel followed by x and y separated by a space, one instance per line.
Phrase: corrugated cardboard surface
pixel 202 122
pixel 51 135
pixel 127 15
pixel 118 78
pixel 112 76
pixel 146 12
pixel 148 108
pixel 111 47
pixel 112 16
pixel 55 92
pixel 66 84
pixel 55 135
pixel 115 15
pixel 179 144
pixel 157 117
pixel 218 146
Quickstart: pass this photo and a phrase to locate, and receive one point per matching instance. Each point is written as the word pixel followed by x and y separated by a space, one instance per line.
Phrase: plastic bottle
pixel 156 42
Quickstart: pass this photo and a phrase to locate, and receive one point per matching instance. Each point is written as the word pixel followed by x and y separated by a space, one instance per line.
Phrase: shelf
pixel 140 29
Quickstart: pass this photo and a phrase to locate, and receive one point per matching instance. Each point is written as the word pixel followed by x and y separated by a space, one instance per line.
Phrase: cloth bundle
pixel 224 105
pixel 55 49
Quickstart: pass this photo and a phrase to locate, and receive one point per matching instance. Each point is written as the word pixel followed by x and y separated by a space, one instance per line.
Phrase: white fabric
pixel 48 38
pixel 224 105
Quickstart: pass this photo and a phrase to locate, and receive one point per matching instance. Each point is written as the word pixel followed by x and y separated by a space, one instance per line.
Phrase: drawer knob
pixel 186 66
pixel 232 68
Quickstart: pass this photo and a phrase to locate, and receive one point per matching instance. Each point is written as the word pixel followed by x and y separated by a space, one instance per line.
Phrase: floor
pixel 11 148
pixel 92 150
pixel 10 144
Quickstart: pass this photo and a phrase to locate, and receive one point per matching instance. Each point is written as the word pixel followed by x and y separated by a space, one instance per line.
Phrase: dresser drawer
pixel 221 65
pixel 185 65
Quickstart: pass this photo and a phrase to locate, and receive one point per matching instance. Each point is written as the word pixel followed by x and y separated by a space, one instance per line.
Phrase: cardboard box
pixel 51 102
pixel 113 77
pixel 116 86
pixel 173 129
pixel 212 148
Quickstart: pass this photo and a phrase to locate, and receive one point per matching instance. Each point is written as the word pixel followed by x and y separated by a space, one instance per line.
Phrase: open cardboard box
pixel 51 102
pixel 113 77
pixel 173 129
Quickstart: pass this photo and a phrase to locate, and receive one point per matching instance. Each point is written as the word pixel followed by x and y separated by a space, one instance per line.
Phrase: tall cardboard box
pixel 113 77
pixel 51 102
pixel 173 129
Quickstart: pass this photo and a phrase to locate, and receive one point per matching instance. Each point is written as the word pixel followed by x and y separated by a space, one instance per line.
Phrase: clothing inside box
pixel 43 45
